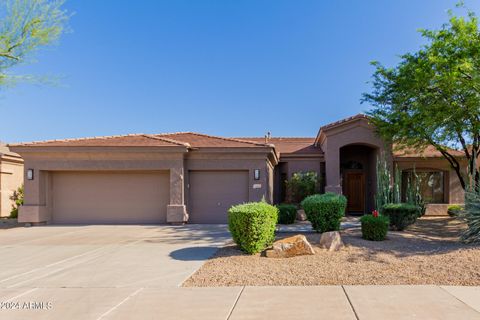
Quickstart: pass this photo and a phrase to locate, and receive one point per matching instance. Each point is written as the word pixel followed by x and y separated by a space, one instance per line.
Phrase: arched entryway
pixel 358 177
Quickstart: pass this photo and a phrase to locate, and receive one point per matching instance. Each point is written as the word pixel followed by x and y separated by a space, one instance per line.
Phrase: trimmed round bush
pixel 401 215
pixel 325 211
pixel 374 228
pixel 454 210
pixel 286 213
pixel 252 225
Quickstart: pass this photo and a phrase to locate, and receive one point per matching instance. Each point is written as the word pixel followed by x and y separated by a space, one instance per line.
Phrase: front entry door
pixel 354 190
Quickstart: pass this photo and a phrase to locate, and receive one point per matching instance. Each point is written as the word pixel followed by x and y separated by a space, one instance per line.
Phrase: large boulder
pixel 301 215
pixel 332 241
pixel 290 247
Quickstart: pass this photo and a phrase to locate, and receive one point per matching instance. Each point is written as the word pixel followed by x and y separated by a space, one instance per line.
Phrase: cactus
pixel 397 196
pixel 388 188
pixel 413 195
pixel 384 186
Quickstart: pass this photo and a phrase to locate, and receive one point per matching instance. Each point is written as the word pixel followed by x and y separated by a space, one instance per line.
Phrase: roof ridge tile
pixel 75 139
pixel 357 116
pixel 220 138
pixel 151 136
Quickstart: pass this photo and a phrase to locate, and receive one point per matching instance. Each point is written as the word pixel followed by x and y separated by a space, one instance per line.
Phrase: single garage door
pixel 110 197
pixel 213 192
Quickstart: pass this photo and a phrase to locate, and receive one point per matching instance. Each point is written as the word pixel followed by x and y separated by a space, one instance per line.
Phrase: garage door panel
pixel 110 197
pixel 212 193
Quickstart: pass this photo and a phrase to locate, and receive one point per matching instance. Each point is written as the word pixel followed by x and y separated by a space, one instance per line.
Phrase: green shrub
pixel 17 198
pixel 252 225
pixel 301 185
pixel 454 210
pixel 401 215
pixel 325 211
pixel 286 213
pixel 374 228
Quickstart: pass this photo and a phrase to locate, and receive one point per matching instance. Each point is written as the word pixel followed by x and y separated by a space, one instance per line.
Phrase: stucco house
pixel 193 177
pixel 11 177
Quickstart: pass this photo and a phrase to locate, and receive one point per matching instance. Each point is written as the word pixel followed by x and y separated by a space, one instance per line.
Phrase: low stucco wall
pixel 437 210
pixel 11 177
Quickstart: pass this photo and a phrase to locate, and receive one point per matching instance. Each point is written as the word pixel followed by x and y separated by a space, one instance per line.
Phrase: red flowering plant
pixel 374 226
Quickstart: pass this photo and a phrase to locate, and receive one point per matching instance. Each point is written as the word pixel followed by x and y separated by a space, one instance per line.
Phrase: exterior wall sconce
pixel 30 174
pixel 256 174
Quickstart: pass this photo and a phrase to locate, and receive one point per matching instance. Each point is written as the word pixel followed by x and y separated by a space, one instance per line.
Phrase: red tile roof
pixel 285 145
pixel 5 151
pixel 428 152
pixel 186 139
pixel 291 145
pixel 339 122
pixel 198 140
pixel 133 140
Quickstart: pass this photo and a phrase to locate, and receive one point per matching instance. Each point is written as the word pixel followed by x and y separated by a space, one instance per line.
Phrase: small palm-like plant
pixel 471 215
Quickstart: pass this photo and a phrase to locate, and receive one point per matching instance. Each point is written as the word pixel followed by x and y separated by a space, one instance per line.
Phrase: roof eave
pixel 49 149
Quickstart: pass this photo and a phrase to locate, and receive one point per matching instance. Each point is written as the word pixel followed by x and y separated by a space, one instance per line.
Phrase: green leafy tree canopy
pixel 26 26
pixel 432 97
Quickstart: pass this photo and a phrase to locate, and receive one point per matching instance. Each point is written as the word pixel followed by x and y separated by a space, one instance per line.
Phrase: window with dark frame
pixel 432 185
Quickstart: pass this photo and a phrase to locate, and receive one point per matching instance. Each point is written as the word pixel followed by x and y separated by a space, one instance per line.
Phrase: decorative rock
pixel 301 215
pixel 331 241
pixel 290 247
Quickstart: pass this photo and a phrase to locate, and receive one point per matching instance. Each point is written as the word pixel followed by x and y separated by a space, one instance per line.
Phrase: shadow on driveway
pixel 193 253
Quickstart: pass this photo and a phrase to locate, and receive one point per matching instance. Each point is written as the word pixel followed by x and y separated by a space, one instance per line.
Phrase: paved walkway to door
pixel 134 272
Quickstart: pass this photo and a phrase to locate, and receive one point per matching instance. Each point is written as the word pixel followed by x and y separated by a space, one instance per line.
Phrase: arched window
pixel 352 165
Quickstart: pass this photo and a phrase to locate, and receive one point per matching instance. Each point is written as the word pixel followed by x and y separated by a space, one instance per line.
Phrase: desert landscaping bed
pixel 426 253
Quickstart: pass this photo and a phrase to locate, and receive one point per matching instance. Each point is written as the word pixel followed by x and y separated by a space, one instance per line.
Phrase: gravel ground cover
pixel 426 253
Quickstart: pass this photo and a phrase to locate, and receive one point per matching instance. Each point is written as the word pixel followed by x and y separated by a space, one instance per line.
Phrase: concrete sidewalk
pixel 322 302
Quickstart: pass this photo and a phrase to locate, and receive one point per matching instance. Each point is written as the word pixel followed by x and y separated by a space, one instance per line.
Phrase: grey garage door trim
pixel 211 193
pixel 111 197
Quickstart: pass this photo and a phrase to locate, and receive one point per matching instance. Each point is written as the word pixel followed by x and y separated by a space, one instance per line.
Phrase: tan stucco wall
pixel 11 177
pixel 332 140
pixel 302 165
pixel 38 192
pixel 229 161
pixel 270 184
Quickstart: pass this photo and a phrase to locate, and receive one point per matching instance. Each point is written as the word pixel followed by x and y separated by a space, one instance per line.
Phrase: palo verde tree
pixel 432 97
pixel 26 26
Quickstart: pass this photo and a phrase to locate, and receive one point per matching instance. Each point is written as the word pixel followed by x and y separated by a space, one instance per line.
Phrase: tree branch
pixel 9 56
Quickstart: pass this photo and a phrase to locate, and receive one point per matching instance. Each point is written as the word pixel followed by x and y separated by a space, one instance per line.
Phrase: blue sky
pixel 233 68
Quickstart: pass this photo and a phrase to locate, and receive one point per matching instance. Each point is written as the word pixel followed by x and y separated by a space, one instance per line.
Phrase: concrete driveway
pixel 90 269
pixel 105 256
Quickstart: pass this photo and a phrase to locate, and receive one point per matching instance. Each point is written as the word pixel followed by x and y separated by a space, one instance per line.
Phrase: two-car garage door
pixel 110 197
